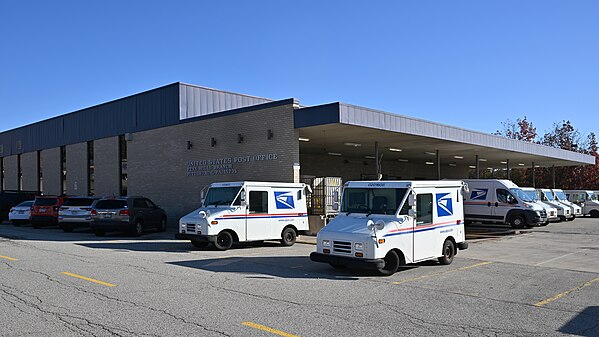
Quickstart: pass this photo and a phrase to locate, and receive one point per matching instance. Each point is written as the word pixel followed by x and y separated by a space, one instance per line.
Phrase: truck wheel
pixel 199 244
pixel 517 221
pixel 594 213
pixel 223 241
pixel 391 264
pixel 448 253
pixel 288 237
pixel 139 228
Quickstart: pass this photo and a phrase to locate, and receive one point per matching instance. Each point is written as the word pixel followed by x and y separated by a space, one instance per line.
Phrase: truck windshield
pixel 592 196
pixel 221 195
pixel 521 195
pixel 548 195
pixel 372 200
pixel 532 195
pixel 561 196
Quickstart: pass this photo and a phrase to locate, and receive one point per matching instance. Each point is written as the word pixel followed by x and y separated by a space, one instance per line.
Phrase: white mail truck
pixel 564 211
pixel 585 199
pixel 501 201
pixel 561 197
pixel 552 215
pixel 247 211
pixel 385 224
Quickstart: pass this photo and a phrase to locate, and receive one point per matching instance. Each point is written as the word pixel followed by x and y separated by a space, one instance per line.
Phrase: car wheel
pixel 288 237
pixel 518 221
pixel 162 226
pixel 391 264
pixel 448 253
pixel 139 228
pixel 199 244
pixel 545 223
pixel 223 241
pixel 99 233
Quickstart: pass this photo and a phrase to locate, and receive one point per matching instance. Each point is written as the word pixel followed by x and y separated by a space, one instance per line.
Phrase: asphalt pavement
pixel 542 282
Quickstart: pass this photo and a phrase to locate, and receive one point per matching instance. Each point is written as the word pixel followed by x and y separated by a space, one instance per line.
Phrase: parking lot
pixel 543 281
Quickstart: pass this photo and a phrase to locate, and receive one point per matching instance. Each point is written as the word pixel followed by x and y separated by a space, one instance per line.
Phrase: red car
pixel 44 211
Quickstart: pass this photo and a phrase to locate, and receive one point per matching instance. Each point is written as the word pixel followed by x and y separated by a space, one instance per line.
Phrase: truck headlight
pixel 359 246
pixel 326 243
pixel 183 225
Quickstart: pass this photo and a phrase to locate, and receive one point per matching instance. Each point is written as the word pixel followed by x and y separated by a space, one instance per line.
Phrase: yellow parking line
pixel 443 273
pixel 267 329
pixel 89 279
pixel 560 295
pixel 8 258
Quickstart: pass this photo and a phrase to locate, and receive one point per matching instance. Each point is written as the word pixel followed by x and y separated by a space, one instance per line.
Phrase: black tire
pixel 139 228
pixel 518 221
pixel 594 213
pixel 200 244
pixel 67 229
pixel 337 266
pixel 448 253
pixel 391 264
pixel 223 241
pixel 162 225
pixel 545 223
pixel 99 233
pixel 571 219
pixel 288 236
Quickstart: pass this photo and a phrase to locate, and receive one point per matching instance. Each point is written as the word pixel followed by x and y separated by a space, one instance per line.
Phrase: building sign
pixel 227 165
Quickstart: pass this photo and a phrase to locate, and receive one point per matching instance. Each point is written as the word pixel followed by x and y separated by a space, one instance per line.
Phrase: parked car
pixel 9 199
pixel 130 214
pixel 44 211
pixel 20 213
pixel 75 212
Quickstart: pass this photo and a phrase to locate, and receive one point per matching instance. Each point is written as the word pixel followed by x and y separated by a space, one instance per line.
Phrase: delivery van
pixel 247 211
pixel 501 201
pixel 385 224
pixel 551 211
pixel 561 197
pixel 563 211
pixel 585 199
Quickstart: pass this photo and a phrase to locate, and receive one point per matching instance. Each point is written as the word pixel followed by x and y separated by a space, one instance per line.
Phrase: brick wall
pixel 51 171
pixel 30 173
pixel 77 169
pixel 106 166
pixel 159 160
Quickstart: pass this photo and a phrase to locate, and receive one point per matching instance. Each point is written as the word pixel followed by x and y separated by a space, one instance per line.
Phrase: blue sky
pixel 471 64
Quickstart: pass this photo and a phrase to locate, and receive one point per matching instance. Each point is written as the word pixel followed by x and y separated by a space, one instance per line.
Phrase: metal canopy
pixel 352 132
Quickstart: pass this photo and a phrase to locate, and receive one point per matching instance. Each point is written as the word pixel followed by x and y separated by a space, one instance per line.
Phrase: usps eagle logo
pixel 444 204
pixel 479 194
pixel 284 200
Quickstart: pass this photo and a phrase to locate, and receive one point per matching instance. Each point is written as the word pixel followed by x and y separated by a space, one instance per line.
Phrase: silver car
pixel 75 213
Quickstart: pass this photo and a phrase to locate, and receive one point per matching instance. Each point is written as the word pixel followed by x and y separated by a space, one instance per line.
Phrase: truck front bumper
pixel 195 237
pixel 347 261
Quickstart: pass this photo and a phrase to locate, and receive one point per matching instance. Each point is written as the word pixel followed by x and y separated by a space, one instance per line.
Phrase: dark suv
pixel 130 214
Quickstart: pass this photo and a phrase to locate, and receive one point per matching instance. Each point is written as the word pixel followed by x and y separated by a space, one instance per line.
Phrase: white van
pixel 247 211
pixel 552 215
pixel 385 224
pixel 561 197
pixel 585 199
pixel 563 211
pixel 501 201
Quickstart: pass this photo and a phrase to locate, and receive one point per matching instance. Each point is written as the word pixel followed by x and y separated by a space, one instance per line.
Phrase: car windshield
pixel 372 200
pixel 25 204
pixel 111 204
pixel 561 195
pixel 45 201
pixel 221 195
pixel 78 202
pixel 548 195
pixel 520 194
pixel 532 195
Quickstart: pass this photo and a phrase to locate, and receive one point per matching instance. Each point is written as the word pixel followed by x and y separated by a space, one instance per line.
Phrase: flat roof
pixel 353 130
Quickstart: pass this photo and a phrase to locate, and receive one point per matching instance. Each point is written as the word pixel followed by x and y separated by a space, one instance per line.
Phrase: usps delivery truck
pixel 385 224
pixel 552 215
pixel 247 211
pixel 585 199
pixel 501 201
pixel 561 197
pixel 564 211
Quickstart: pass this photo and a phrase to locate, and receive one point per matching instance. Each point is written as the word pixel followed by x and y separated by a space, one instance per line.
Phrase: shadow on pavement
pixel 586 323
pixel 183 246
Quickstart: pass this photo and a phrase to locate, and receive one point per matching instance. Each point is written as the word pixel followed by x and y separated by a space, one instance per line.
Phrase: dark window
pixel 40 176
pixel 90 168
pixel 111 204
pixel 150 203
pixel 222 196
pixel 78 202
pixel 2 169
pixel 505 196
pixel 140 203
pixel 63 169
pixel 45 201
pixel 25 204
pixel 258 202
pixel 424 209
pixel 123 164
pixel 20 172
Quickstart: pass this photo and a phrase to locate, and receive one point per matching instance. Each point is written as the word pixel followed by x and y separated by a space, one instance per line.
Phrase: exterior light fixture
pixel 402 160
pixel 334 154
pixel 430 163
pixel 370 157
pixel 472 166
pixel 352 144
pixel 453 164
pixel 482 159
pixel 503 162
pixel 239 138
pixel 431 153
pixel 212 142
pixel 269 134
pixel 189 145
pixel 458 157
pixel 520 164
pixel 393 149
pixel 303 139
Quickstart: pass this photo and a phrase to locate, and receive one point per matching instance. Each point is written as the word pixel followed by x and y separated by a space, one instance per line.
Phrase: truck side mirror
pixel 242 195
pixel 336 196
pixel 412 200
pixel 412 213
pixel 335 206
